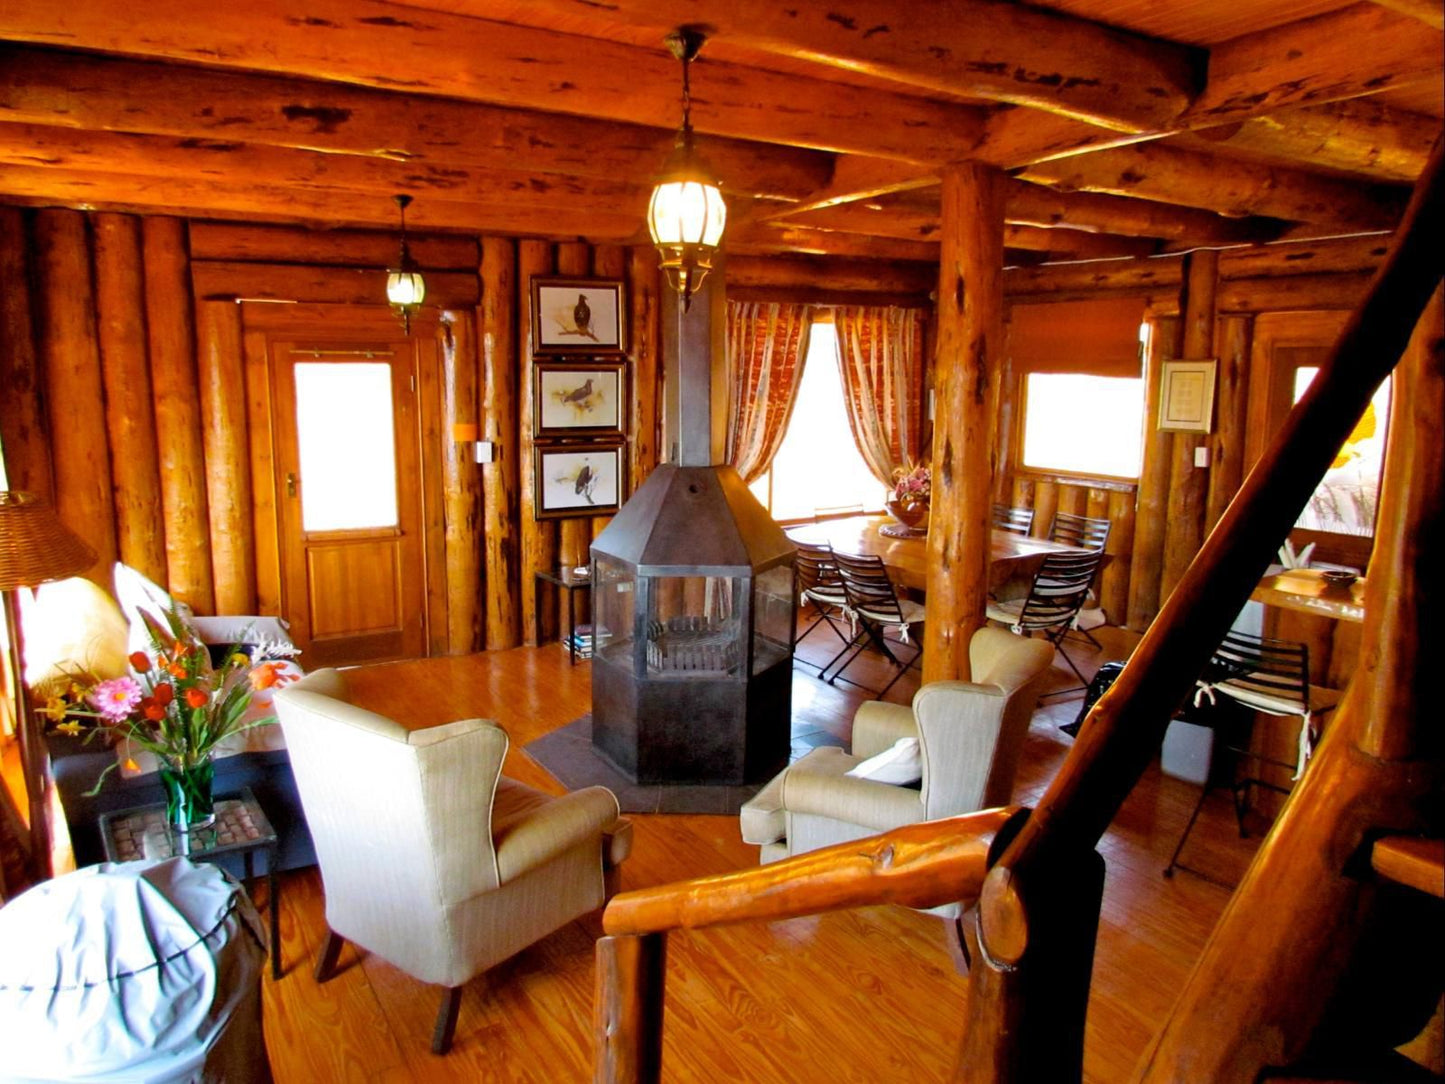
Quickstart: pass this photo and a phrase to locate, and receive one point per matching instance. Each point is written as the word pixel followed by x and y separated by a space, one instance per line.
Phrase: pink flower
pixel 116 699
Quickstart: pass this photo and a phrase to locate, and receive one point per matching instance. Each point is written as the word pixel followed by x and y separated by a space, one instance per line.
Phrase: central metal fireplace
pixel 693 600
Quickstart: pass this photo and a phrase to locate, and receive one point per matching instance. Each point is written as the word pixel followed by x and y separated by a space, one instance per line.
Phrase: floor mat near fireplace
pixel 568 754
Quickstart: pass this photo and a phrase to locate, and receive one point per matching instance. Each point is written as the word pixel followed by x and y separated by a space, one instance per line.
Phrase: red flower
pixel 140 660
pixel 164 694
pixel 152 710
pixel 197 698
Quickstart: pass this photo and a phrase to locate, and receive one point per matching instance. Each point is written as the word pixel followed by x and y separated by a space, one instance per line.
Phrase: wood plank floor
pixel 869 995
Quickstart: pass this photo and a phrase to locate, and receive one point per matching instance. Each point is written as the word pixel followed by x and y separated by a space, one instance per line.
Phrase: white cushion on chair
pixel 900 764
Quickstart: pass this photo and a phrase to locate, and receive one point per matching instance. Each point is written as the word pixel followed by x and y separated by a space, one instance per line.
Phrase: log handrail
pixel 918 865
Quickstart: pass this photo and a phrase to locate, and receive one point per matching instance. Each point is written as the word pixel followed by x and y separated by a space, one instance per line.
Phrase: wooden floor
pixel 868 995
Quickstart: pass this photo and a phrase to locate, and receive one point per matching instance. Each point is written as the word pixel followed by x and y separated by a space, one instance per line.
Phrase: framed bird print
pixel 579 399
pixel 577 316
pixel 578 479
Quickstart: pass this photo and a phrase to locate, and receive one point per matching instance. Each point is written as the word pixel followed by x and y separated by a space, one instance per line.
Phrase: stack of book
pixel 583 639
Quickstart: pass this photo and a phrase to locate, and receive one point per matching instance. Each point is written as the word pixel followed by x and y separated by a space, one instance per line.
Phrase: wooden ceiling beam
pixel 377 44
pixel 190 197
pixel 77 90
pixel 1038 205
pixel 976 48
pixel 233 242
pixel 1348 53
pixel 888 276
pixel 767 238
pixel 1429 12
pixel 1171 175
pixel 242 165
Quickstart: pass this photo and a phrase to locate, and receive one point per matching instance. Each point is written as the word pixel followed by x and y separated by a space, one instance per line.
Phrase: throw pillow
pixel 71 625
pixel 145 603
pixel 900 764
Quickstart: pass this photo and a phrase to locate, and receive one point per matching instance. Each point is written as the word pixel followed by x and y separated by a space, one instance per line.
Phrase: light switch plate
pixel 485 451
pixel 1201 456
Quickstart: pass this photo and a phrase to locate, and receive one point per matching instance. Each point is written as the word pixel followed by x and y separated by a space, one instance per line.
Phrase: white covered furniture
pixel 136 971
pixel 430 857
pixel 970 735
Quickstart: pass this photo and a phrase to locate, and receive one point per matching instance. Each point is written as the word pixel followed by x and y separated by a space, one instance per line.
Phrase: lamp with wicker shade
pixel 35 548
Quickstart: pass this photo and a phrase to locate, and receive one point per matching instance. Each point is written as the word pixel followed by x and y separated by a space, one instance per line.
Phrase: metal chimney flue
pixel 693 592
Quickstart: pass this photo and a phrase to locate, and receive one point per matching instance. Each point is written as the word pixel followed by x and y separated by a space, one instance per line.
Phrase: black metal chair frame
pixel 1013 520
pixel 1055 597
pixel 871 593
pixel 820 586
pixel 1246 667
pixel 1085 532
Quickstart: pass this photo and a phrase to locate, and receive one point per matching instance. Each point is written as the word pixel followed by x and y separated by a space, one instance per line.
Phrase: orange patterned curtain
pixel 767 343
pixel 881 355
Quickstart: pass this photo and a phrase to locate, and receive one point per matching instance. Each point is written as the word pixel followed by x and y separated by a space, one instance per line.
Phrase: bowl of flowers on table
pixel 175 705
pixel 908 501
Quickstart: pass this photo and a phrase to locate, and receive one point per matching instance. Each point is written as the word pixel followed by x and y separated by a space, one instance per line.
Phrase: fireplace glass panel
pixel 614 595
pixel 695 626
pixel 773 616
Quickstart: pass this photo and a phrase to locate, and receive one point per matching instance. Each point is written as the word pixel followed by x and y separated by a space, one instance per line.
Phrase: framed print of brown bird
pixel 577 316
pixel 578 479
pixel 575 399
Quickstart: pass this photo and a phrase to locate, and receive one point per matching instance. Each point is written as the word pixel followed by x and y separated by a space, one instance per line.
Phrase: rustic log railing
pixel 1034 924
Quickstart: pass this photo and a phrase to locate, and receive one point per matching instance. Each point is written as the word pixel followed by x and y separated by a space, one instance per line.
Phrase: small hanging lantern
pixel 405 288
pixel 687 213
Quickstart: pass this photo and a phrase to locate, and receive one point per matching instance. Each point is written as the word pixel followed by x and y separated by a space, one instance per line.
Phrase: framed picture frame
pixel 1186 397
pixel 577 316
pixel 580 399
pixel 578 479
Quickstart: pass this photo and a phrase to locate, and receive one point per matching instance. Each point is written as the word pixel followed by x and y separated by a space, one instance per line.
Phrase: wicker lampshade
pixel 35 546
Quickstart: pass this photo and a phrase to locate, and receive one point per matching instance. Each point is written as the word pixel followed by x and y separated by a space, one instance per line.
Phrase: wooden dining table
pixel 1011 556
pixel 1305 590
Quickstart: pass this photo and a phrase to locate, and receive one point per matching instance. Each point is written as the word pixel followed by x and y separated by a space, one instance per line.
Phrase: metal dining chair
pixel 874 604
pixel 1085 532
pixel 821 587
pixel 1013 520
pixel 1055 597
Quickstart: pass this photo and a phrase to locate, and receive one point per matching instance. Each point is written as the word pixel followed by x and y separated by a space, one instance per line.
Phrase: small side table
pixel 240 828
pixel 566 580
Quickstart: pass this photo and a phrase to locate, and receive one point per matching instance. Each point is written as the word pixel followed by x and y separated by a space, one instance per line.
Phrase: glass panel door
pixel 346 445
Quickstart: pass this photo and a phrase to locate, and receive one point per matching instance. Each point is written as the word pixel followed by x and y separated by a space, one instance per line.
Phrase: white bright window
pixel 1084 424
pixel 1348 496
pixel 818 468
pixel 345 438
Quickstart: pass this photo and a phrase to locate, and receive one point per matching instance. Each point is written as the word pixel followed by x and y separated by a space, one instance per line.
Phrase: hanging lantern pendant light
pixel 687 213
pixel 405 288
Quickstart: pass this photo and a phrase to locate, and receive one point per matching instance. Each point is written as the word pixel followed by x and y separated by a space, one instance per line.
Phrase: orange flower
pixel 140 660
pixel 177 671
pixel 268 675
pixel 164 694
pixel 130 765
pixel 180 650
pixel 197 698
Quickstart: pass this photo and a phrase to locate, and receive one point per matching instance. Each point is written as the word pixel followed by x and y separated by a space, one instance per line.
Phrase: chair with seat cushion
pixel 1013 520
pixel 874 604
pixel 1055 597
pixel 968 735
pixel 821 587
pixel 430 857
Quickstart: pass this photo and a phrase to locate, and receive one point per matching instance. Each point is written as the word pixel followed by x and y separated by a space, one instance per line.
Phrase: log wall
pixel 133 394
pixel 1229 289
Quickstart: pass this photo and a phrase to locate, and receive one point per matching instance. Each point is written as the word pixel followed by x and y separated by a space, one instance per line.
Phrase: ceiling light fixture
pixel 405 288
pixel 687 213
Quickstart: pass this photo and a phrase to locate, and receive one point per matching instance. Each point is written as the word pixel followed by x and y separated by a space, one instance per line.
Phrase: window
pixel 1084 424
pixel 1348 495
pixel 818 467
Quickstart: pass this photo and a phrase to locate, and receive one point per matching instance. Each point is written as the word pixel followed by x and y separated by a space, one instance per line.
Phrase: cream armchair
pixel 429 856
pixel 970 735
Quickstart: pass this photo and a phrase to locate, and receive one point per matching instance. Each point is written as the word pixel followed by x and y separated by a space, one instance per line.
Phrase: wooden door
pixel 348 463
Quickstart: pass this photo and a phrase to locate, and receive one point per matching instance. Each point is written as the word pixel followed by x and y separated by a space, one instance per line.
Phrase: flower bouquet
pixel 909 498
pixel 176 706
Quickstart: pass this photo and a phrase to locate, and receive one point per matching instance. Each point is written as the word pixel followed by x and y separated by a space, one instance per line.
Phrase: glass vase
pixel 188 795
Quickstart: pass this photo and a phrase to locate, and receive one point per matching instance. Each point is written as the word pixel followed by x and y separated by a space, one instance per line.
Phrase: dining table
pixel 1012 557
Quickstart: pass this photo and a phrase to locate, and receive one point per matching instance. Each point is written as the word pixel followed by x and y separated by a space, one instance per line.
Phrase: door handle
pixel 290 485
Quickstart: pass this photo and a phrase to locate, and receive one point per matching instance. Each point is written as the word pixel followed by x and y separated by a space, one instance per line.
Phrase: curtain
pixel 880 353
pixel 766 345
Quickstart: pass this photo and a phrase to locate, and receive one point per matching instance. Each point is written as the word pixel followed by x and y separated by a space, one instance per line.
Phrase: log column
pixel 1189 484
pixel 1153 492
pixel 228 464
pixel 642 295
pixel 22 417
pixel 130 414
pixel 538 537
pixel 970 344
pixel 70 358
pixel 178 411
pixel 461 486
pixel 1231 399
pixel 504 586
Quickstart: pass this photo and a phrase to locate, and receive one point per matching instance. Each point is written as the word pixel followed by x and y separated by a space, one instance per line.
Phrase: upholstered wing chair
pixel 969 735
pixel 429 856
